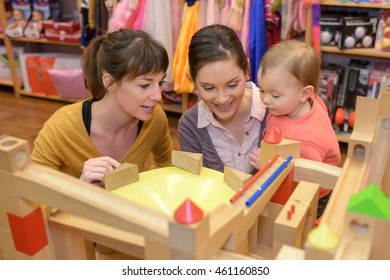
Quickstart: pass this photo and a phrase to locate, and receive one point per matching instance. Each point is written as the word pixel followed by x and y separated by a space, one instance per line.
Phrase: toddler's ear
pixel 307 92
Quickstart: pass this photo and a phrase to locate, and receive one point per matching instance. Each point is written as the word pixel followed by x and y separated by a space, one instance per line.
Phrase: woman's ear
pixel 107 81
pixel 307 92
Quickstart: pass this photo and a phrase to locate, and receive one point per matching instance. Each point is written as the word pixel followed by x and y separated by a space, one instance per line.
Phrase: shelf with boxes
pixel 28 46
pixel 55 40
pixel 355 48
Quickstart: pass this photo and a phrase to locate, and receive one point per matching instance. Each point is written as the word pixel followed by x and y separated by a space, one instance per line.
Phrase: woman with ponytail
pixel 122 122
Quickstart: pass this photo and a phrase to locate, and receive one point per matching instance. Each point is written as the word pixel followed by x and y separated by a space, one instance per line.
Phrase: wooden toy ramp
pixel 46 214
pixel 355 230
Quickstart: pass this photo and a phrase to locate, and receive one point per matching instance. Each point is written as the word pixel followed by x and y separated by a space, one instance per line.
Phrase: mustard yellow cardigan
pixel 64 144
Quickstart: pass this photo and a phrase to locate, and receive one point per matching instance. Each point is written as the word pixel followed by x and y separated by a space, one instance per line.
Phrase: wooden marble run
pixel 45 214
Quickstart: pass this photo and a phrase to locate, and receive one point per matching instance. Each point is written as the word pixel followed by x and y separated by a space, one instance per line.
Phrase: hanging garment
pixel 176 12
pixel 137 15
pixel 103 17
pixel 158 23
pixel 181 78
pixel 202 18
pixel 272 18
pixel 120 16
pixel 257 37
pixel 213 12
pixel 87 34
pixel 245 27
pixel 235 15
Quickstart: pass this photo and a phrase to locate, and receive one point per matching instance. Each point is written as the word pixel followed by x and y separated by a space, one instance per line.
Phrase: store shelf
pixel 370 52
pixel 343 138
pixel 44 96
pixel 35 45
pixel 354 4
pixel 7 83
pixel 44 41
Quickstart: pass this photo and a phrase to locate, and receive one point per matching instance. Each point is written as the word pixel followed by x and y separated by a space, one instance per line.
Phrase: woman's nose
pixel 221 97
pixel 156 94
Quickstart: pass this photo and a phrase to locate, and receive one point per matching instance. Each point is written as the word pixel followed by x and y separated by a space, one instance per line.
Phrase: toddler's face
pixel 281 92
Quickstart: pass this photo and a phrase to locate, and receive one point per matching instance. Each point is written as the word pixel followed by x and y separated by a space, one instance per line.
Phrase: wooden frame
pixel 68 211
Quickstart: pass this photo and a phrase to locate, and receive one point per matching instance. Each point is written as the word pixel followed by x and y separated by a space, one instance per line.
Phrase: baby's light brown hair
pixel 299 59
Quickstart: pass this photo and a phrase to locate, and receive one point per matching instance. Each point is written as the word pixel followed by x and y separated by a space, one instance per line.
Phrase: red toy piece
pixel 273 136
pixel 29 232
pixel 188 213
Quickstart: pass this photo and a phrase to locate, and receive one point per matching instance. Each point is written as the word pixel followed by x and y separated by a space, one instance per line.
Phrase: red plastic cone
pixel 188 213
pixel 273 136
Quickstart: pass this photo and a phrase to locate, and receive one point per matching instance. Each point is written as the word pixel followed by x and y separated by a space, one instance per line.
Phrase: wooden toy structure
pixel 46 214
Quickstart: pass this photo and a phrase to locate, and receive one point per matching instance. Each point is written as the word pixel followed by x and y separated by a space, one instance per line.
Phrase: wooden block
pixel 156 251
pixel 312 253
pixel 191 162
pixel 67 245
pixel 221 229
pixel 122 241
pixel 380 243
pixel 235 178
pixel 294 231
pixel 266 222
pixel 186 240
pixel 358 226
pixel 285 148
pixel 125 174
pixel 7 244
pixel 316 172
pixel 290 253
pixel 14 154
pixel 252 213
pixel 351 249
pixel 290 231
pixel 15 205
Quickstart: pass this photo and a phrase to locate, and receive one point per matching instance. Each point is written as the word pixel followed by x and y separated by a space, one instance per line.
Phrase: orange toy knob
pixel 339 116
pixel 351 119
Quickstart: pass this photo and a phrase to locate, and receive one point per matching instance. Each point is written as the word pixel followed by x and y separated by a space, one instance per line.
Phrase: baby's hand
pixel 96 168
pixel 254 158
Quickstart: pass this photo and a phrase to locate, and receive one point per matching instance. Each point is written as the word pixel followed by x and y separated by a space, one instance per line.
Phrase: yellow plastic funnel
pixel 165 189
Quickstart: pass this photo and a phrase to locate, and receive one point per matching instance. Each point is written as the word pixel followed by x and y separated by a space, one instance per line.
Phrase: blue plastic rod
pixel 268 182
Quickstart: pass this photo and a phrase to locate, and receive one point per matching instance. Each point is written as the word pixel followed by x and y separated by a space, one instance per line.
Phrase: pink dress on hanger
pixel 245 27
pixel 157 21
pixel 176 21
pixel 136 18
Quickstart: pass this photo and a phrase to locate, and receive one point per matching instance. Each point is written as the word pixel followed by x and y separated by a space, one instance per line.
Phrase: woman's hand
pixel 96 168
pixel 254 158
